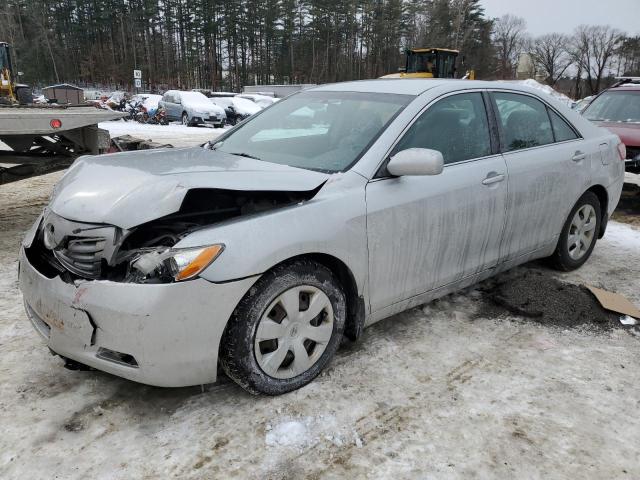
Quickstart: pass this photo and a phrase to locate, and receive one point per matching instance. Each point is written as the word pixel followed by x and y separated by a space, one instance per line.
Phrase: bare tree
pixel 593 50
pixel 508 35
pixel 551 55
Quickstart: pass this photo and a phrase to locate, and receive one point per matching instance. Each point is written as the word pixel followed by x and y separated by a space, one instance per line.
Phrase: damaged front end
pixel 146 253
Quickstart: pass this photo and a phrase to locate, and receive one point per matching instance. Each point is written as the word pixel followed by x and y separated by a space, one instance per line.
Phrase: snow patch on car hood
pixel 127 189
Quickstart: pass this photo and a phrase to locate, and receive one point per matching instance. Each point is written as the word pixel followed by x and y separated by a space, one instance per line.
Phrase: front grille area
pixel 82 255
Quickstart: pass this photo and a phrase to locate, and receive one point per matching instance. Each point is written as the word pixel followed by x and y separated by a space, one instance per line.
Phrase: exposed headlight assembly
pixel 166 265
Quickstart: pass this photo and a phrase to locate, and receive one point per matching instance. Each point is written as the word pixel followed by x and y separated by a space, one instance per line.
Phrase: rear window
pixel 524 120
pixel 561 129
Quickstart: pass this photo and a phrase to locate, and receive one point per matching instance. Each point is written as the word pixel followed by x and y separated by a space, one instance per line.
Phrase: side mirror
pixel 416 161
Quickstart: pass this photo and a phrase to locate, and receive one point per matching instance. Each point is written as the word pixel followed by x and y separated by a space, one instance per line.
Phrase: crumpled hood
pixel 128 189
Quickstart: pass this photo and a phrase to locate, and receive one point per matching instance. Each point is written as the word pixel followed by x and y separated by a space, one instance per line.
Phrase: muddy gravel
pixel 535 295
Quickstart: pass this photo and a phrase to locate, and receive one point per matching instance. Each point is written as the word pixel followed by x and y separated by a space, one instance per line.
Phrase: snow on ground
pixel 176 134
pixel 441 391
pixel 633 178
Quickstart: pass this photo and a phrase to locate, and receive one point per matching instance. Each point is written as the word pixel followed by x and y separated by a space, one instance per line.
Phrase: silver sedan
pixel 330 210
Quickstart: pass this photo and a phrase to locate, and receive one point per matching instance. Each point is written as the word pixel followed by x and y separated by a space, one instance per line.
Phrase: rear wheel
pixel 285 330
pixel 579 234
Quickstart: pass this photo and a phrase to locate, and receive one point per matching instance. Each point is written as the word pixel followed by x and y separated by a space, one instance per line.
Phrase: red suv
pixel 618 109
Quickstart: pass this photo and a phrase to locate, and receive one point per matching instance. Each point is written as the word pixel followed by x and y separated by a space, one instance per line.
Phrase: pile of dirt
pixel 538 296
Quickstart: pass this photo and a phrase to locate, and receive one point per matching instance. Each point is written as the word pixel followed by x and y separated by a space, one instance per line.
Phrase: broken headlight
pixel 165 265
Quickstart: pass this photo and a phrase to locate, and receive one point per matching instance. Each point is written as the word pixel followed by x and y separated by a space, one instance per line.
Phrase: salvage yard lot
pixel 459 388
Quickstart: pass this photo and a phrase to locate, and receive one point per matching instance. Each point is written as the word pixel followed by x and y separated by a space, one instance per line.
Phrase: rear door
pixel 428 231
pixel 548 165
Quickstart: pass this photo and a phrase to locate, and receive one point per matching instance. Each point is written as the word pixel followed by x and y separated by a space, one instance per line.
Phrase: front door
pixel 425 232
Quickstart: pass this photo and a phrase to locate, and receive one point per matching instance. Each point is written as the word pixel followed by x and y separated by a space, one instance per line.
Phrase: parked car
pixel 581 104
pixel 192 108
pixel 618 109
pixel 260 250
pixel 236 108
pixel 263 101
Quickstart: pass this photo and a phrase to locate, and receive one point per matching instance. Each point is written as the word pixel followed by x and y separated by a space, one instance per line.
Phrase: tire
pixel 259 345
pixel 185 119
pixel 24 96
pixel 573 253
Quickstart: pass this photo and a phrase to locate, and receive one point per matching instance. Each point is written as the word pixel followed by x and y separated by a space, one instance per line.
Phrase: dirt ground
pixel 487 383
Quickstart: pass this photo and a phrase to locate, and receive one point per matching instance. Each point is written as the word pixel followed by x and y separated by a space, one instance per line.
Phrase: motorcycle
pixel 159 117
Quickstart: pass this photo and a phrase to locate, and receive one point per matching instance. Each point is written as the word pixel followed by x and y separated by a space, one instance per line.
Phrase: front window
pixel 424 62
pixel 615 106
pixel 324 131
pixel 456 126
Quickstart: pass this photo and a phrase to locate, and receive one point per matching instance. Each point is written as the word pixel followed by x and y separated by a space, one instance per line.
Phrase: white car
pixel 192 108
pixel 236 108
pixel 263 101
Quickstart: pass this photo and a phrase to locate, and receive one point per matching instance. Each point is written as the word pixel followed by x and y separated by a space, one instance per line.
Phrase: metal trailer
pixel 38 139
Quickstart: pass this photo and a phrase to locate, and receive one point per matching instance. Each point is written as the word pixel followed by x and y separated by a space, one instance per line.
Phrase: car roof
pixel 415 86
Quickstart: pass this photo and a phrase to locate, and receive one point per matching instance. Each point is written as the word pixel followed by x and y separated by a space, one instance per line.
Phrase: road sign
pixel 137 82
pixel 137 74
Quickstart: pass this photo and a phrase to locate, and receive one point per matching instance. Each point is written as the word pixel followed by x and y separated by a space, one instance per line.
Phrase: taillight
pixel 55 123
pixel 622 151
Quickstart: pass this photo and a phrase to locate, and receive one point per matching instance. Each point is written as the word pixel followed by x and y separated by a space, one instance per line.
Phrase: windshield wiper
pixel 242 154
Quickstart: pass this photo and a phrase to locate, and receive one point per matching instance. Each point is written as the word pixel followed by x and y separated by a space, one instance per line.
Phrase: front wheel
pixel 579 234
pixel 185 119
pixel 285 330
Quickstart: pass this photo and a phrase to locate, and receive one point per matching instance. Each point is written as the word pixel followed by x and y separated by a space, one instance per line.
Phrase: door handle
pixel 578 156
pixel 491 179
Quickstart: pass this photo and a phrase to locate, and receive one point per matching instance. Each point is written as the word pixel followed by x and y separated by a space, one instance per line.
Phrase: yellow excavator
pixel 430 63
pixel 10 91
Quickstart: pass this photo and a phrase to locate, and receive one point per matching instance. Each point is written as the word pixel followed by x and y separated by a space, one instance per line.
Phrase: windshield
pixel 615 106
pixel 4 57
pixel 324 131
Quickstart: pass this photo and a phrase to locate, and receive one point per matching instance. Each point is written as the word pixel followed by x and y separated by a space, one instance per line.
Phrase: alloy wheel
pixel 582 231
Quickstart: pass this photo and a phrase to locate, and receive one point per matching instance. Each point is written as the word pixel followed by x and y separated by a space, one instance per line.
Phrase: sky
pixel 545 16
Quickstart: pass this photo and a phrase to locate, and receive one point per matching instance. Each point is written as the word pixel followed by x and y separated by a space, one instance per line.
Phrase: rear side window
pixel 524 120
pixel 561 129
pixel 456 126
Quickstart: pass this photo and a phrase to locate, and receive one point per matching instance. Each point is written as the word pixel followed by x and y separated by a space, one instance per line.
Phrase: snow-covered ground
pixel 176 134
pixel 447 390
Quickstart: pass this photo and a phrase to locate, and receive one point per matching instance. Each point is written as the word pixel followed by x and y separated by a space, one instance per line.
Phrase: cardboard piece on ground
pixel 615 302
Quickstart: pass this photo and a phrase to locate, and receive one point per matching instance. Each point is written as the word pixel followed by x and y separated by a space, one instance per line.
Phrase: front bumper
pixel 216 121
pixel 171 331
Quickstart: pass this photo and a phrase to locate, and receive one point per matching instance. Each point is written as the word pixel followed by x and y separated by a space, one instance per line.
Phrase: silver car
pixel 260 251
pixel 191 108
